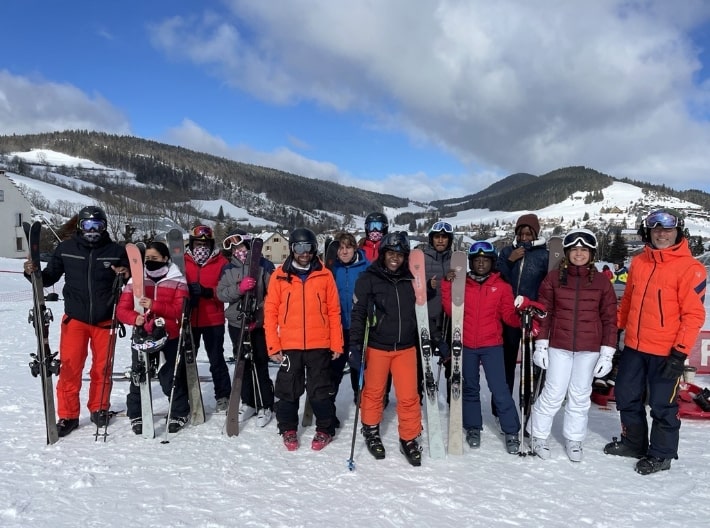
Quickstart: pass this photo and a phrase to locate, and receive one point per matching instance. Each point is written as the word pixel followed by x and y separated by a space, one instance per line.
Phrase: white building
pixel 14 209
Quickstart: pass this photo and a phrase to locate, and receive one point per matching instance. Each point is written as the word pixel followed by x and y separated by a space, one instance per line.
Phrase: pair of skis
pixel 434 430
pixel 243 349
pixel 44 363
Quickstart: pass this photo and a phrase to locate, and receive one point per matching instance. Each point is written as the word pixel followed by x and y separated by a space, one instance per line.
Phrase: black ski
pixel 243 347
pixel 194 393
pixel 44 363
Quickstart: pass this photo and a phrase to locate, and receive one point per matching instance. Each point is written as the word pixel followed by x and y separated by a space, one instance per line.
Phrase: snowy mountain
pixel 623 204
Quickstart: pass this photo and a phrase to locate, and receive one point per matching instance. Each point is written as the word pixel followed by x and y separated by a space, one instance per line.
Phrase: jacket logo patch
pixel 107 264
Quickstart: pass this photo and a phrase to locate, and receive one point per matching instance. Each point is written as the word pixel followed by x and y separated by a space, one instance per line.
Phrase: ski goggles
pixel 299 248
pixel 442 226
pixel 90 224
pixel 661 219
pixel 580 238
pixel 483 247
pixel 202 232
pixel 375 226
pixel 235 240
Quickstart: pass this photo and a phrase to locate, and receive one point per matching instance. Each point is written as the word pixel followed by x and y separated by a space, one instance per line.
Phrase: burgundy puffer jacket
pixel 581 314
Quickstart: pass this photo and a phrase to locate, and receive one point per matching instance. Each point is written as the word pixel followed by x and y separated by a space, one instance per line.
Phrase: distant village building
pixel 275 247
pixel 14 209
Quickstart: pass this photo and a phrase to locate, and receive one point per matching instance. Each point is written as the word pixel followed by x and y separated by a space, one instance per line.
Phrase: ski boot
pixel 373 440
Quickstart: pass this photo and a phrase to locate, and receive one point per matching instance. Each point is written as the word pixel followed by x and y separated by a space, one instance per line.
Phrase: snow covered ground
pixel 203 478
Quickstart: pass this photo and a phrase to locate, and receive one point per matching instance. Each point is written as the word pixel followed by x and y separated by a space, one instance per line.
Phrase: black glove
pixel 442 350
pixel 355 357
pixel 207 293
pixel 195 289
pixel 674 365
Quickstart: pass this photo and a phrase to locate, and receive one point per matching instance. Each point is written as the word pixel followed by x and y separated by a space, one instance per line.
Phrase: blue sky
pixel 421 98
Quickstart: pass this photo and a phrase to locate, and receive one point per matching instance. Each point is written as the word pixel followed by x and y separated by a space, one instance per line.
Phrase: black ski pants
pixel 213 336
pixel 257 388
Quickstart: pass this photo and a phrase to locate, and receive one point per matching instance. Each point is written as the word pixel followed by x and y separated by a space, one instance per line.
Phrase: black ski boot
pixel 101 417
pixel 373 440
pixel 411 451
pixel 67 425
pixel 621 448
pixel 652 464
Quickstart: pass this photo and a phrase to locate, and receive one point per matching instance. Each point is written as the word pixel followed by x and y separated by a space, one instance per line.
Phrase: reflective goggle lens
pixel 204 232
pixel 484 248
pixel 301 247
pixel 442 226
pixel 579 239
pixel 375 226
pixel 661 219
pixel 234 240
pixel 89 224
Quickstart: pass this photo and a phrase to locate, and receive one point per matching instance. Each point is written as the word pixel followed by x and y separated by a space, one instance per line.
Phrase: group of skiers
pixel 311 315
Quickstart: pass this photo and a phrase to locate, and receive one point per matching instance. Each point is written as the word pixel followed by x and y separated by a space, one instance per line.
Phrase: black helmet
pixel 92 212
pixel 444 228
pixel 150 337
pixel 376 222
pixel 302 235
pixel 396 241
pixel 662 218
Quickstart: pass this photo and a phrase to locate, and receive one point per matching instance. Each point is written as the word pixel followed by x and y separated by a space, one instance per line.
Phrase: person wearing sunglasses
pixel 257 397
pixel 383 307
pixel 662 311
pixel 576 343
pixel 203 265
pixel 488 303
pixel 376 227
pixel 437 260
pixel 89 261
pixel 303 334
pixel 523 265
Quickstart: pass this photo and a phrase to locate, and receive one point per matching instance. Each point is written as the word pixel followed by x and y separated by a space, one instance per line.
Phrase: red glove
pixel 247 284
pixel 522 303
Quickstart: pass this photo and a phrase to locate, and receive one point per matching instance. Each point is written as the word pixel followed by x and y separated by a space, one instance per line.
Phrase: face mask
pixel 240 254
pixel 201 254
pixel 155 268
pixel 374 236
pixel 92 237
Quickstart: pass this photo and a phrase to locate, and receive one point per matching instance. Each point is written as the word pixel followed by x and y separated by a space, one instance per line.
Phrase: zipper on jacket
pixel 89 280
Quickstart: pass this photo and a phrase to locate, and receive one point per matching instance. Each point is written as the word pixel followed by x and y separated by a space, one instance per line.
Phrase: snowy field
pixel 202 478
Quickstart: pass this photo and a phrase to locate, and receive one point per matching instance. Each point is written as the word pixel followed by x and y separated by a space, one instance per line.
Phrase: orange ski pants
pixel 74 343
pixel 403 366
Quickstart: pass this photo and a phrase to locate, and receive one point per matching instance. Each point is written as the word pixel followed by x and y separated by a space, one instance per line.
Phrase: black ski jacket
pixel 88 277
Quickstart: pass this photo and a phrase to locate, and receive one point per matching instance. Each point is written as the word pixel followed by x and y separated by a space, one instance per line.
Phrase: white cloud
pixel 509 85
pixel 30 106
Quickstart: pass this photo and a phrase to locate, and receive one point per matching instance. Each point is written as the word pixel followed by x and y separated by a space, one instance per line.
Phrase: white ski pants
pixel 569 374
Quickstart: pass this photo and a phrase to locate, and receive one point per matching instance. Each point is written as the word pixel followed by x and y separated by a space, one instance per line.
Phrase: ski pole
pixel 116 328
pixel 178 356
pixel 361 382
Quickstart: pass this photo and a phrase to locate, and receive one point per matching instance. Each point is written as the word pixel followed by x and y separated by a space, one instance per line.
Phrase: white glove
pixel 540 357
pixel 603 366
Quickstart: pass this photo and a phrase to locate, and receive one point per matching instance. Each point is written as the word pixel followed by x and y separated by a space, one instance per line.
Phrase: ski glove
pixel 355 357
pixel 522 303
pixel 247 284
pixel 442 350
pixel 195 289
pixel 540 356
pixel 674 365
pixel 604 363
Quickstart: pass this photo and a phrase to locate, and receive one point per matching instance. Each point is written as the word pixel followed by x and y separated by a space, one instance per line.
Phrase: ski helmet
pixel 442 228
pixel 376 222
pixel 299 238
pixel 151 337
pixel 581 238
pixel 666 218
pixel 201 232
pixel 395 241
pixel 91 217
